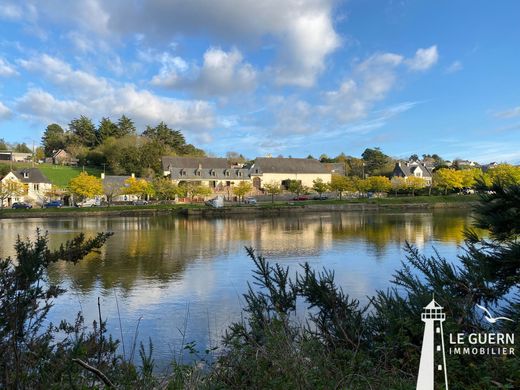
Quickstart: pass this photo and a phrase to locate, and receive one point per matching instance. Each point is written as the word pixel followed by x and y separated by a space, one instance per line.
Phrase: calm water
pixel 177 274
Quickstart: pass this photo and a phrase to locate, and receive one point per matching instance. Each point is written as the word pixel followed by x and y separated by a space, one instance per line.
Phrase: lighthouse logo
pixel 433 355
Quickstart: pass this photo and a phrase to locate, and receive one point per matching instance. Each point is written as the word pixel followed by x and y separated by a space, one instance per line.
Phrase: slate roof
pixel 287 165
pixel 34 175
pixel 115 181
pixel 194 162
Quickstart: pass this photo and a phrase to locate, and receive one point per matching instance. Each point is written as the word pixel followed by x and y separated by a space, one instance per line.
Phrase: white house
pixel 36 182
pixel 417 169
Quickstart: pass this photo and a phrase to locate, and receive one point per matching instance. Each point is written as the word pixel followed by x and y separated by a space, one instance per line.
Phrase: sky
pixel 289 77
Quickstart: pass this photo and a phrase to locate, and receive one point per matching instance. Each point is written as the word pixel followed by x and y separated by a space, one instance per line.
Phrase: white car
pixel 250 201
pixel 89 203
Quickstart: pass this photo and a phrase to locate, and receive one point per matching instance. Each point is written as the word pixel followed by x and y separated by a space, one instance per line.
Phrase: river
pixel 176 279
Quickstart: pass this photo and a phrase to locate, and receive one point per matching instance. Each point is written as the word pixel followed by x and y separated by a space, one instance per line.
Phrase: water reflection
pixel 158 265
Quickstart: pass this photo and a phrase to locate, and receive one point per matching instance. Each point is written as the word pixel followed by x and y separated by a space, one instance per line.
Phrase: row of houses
pixel 220 174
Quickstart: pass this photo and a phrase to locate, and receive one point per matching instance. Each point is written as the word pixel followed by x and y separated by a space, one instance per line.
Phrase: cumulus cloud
pixel 424 59
pixel 5 112
pixel 509 113
pixel 221 73
pixel 302 30
pixel 7 69
pixel 96 96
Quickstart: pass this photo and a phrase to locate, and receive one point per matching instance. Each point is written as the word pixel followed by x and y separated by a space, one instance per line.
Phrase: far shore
pixel 416 203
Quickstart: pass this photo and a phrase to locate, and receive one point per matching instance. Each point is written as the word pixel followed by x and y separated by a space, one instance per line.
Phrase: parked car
pixel 21 205
pixel 320 197
pixel 53 203
pixel 140 202
pixel 250 200
pixel 301 197
pixel 89 203
pixel 468 191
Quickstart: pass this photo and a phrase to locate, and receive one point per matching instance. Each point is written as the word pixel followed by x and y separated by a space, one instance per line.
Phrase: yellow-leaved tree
pixel 272 188
pixel 139 187
pixel 242 189
pixel 447 179
pixel 10 188
pixel 414 183
pixel 85 186
pixel 505 175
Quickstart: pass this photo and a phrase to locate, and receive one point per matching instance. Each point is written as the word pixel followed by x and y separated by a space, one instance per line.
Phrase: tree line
pixel 117 146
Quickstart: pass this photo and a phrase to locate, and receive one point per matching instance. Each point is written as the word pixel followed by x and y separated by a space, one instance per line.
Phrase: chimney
pixel 102 175
pixel 133 175
pixel 200 166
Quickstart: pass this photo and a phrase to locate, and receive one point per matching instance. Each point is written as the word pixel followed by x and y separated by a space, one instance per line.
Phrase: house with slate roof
pixel 281 170
pixel 216 173
pixel 417 169
pixel 36 182
pixel 113 188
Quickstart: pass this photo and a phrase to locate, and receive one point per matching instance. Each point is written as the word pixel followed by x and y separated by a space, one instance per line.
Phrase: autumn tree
pixel 10 188
pixel 272 188
pixel 414 183
pixel 319 186
pixel 447 179
pixel 86 186
pixel 296 187
pixel 139 187
pixel 340 184
pixel 398 184
pixel 164 188
pixel 242 189
pixel 378 184
pixel 505 175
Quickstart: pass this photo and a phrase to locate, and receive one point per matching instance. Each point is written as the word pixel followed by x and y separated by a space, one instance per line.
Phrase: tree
pixel 375 160
pixel 86 186
pixel 447 179
pixel 242 189
pixel 378 184
pixel 201 191
pixel 296 187
pixel 22 148
pixel 10 188
pixel 469 177
pixel 107 129
pixel 84 131
pixel 164 188
pixel 235 157
pixel 414 183
pixel 272 188
pixel 413 157
pixel 53 139
pixel 53 192
pixel 138 187
pixel 505 175
pixel 125 126
pixel 39 154
pixel 166 136
pixel 3 144
pixel 340 184
pixel 398 184
pixel 319 186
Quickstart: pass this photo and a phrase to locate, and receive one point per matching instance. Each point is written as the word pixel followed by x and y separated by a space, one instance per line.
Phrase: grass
pixel 59 175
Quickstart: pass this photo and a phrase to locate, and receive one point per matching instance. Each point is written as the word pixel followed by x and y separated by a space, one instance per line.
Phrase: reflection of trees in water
pixel 381 229
pixel 158 249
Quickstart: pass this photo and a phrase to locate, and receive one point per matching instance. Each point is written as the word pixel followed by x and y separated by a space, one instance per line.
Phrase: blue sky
pixel 293 77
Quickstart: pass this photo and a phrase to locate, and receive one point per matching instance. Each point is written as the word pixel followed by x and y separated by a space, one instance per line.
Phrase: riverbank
pixel 263 209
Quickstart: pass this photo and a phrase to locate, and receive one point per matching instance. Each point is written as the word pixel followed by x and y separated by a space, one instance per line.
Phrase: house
pixel 62 157
pixel 113 188
pixel 216 173
pixel 37 184
pixel 417 169
pixel 7 155
pixel 282 170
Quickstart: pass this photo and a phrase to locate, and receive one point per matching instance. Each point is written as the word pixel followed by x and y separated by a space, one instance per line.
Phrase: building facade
pixel 36 183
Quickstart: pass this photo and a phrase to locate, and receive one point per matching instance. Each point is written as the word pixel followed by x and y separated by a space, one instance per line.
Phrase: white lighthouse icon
pixel 433 356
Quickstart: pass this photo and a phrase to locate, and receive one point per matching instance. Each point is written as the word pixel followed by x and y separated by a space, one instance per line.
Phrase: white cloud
pixel 454 67
pixel 510 113
pixel 7 69
pixel 10 11
pixel 95 96
pixel 302 30
pixel 424 59
pixel 222 73
pixel 5 112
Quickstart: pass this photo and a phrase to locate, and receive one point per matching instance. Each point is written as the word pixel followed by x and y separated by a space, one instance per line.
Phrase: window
pixel 227 173
pixel 36 187
pixel 257 170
